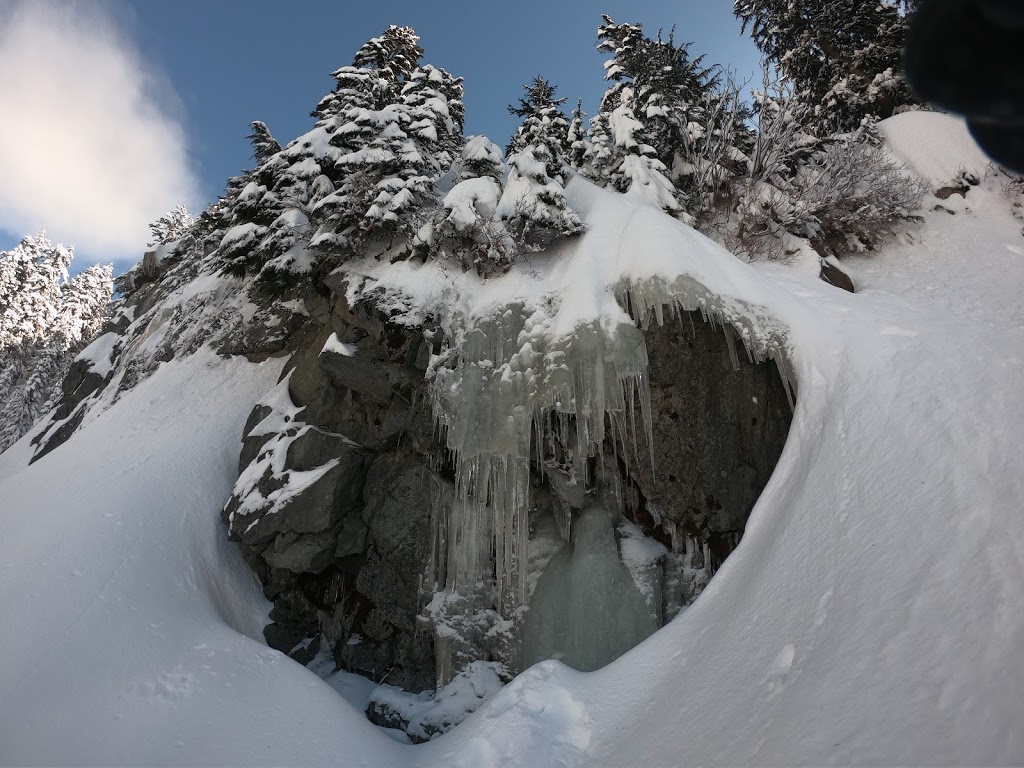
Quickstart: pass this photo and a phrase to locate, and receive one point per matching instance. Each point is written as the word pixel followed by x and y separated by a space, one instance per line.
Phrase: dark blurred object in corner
pixel 967 56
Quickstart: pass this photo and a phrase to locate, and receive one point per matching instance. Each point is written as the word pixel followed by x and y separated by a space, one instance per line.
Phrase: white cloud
pixel 89 148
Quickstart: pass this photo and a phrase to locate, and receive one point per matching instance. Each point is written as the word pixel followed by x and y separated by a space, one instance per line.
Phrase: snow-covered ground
pixel 871 614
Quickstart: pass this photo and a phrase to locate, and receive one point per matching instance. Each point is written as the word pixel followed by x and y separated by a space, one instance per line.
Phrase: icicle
pixel 781 365
pixel 730 342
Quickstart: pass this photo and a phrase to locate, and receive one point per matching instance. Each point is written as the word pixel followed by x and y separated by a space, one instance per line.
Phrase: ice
pixel 587 610
pixel 510 393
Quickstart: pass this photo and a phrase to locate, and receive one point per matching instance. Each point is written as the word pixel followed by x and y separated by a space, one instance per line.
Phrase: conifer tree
pixel 391 152
pixel 576 138
pixel 171 226
pixel 468 229
pixel 843 56
pixel 626 156
pixel 264 145
pixel 533 202
pixel 362 180
pixel 668 126
pixel 600 154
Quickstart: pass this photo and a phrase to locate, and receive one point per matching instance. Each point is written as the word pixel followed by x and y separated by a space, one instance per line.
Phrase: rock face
pixel 719 429
pixel 343 477
pixel 335 496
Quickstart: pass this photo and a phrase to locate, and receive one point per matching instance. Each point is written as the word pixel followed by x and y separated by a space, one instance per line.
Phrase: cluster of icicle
pixel 512 397
pixel 508 395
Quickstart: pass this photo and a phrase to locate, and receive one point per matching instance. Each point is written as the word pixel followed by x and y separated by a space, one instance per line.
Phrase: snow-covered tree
pixel 362 181
pixel 663 132
pixel 533 202
pixel 842 56
pixel 467 227
pixel 576 138
pixel 171 226
pixel 635 168
pixel 45 320
pixel 543 122
pixel 264 145
pixel 601 154
pixel 392 151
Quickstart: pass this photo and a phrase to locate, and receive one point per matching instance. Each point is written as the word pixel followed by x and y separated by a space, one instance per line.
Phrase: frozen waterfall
pixel 586 610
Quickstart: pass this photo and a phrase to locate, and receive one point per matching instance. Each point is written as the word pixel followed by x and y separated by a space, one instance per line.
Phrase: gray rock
pixel 718 433
pixel 298 553
pixel 833 274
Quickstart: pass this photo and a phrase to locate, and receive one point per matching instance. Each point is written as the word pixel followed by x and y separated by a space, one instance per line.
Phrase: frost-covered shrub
pixel 468 231
pixel 848 196
pixel 842 192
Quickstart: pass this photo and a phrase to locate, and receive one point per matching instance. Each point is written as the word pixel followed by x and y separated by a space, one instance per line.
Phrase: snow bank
pixel 132 630
pixel 937 147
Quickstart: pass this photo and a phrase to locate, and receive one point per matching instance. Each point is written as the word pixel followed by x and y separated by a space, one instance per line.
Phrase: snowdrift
pixel 869 616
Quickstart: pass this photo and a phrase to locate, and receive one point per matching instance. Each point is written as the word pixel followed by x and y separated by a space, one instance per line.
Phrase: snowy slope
pixel 870 615
pixel 128 618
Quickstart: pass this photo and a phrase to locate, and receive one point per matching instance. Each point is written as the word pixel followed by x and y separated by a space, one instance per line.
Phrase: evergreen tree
pixel 468 229
pixel 363 179
pixel 543 122
pixel 264 145
pixel 843 56
pixel 576 138
pixel 171 226
pixel 600 154
pixel 662 133
pixel 533 202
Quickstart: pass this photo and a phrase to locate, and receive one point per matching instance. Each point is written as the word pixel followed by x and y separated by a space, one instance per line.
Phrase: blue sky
pixel 206 69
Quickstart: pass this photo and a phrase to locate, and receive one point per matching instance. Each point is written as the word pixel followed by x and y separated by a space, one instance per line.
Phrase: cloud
pixel 90 147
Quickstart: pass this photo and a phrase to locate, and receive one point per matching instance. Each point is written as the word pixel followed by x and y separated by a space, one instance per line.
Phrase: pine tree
pixel 264 145
pixel 543 122
pixel 468 228
pixel 361 180
pixel 533 202
pixel 660 127
pixel 171 226
pixel 391 152
pixel 600 155
pixel 576 138
pixel 843 56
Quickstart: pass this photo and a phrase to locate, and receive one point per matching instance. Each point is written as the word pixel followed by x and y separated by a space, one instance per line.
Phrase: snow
pixel 335 345
pixel 99 354
pixel 869 616
pixel 471 200
pixel 133 630
pixel 482 150
pixel 427 713
pixel 936 147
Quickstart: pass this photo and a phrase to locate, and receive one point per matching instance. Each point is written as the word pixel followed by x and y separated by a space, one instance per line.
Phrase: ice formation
pixel 512 392
pixel 587 610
